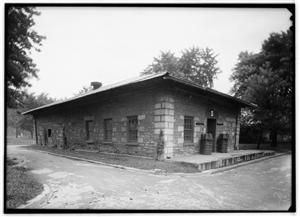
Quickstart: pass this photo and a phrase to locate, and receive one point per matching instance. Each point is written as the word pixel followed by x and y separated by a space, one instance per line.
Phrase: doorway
pixel 211 128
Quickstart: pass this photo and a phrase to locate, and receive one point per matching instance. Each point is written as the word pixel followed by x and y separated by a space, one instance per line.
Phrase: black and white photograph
pixel 149 107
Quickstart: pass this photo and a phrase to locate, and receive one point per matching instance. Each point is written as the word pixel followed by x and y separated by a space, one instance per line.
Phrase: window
pixel 108 130
pixel 89 129
pixel 188 128
pixel 132 128
pixel 49 133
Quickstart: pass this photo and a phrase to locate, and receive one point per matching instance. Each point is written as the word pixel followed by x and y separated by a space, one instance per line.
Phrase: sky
pixel 113 44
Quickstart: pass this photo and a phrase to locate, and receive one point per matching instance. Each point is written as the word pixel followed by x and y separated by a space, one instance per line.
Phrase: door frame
pixel 214 146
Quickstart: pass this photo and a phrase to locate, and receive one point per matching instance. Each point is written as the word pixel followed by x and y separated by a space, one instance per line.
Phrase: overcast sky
pixel 113 44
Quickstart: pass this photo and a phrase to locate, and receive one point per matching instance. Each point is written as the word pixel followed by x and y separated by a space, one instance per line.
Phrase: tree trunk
pixel 31 134
pixel 17 132
pixel 273 138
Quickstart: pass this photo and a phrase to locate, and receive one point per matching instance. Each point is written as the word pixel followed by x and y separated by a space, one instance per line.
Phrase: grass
pixel 128 161
pixel 12 140
pixel 20 185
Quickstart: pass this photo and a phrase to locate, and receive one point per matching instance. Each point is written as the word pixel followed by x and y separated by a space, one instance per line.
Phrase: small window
pixel 108 130
pixel 49 133
pixel 188 128
pixel 89 129
pixel 132 128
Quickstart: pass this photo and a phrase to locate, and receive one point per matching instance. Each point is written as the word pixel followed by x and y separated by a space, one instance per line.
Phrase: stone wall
pixel 164 121
pixel 157 110
pixel 189 104
pixel 118 108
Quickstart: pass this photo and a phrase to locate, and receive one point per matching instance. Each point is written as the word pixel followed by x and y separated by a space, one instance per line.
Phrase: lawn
pixel 20 185
pixel 12 140
pixel 128 161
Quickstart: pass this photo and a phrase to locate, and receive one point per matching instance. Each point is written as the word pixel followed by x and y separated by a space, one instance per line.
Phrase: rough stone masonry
pixel 157 107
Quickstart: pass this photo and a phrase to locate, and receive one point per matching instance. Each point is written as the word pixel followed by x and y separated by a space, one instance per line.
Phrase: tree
pixel 30 101
pixel 21 39
pixel 195 64
pixel 199 65
pixel 84 90
pixel 166 62
pixel 250 128
pixel 266 79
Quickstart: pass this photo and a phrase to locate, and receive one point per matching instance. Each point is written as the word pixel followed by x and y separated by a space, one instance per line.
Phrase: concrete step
pixel 228 161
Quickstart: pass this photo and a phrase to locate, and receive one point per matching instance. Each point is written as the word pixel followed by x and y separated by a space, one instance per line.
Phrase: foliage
pixel 266 79
pixel 84 90
pixel 31 101
pixel 20 40
pixel 166 62
pixel 199 65
pixel 195 64
pixel 12 117
pixel 250 129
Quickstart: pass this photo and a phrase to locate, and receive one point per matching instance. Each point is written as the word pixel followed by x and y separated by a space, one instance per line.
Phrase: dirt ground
pixel 265 185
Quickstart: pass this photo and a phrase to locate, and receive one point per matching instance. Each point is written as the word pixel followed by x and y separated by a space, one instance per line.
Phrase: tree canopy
pixel 267 79
pixel 195 64
pixel 21 39
pixel 166 62
pixel 84 90
pixel 31 101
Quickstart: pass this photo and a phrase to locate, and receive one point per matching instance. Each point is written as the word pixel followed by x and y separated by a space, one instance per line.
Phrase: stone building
pixel 128 117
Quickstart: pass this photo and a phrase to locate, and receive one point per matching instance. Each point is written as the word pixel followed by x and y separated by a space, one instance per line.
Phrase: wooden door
pixel 211 128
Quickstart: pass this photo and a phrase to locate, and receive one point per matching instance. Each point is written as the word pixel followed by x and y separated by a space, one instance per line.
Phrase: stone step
pixel 228 161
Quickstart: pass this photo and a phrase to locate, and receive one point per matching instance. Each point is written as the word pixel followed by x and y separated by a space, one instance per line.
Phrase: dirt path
pixel 76 184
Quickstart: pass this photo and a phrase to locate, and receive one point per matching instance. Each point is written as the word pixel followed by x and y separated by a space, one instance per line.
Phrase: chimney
pixel 96 85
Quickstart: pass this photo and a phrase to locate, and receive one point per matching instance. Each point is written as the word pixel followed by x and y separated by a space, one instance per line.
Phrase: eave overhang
pixel 139 81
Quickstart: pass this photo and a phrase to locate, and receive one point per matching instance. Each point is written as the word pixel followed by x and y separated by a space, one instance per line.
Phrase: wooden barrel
pixel 206 144
pixel 222 143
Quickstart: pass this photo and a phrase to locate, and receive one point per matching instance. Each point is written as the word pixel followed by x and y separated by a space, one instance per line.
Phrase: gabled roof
pixel 210 90
pixel 140 79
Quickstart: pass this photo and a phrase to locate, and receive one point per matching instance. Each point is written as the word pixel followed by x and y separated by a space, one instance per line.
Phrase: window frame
pixel 88 130
pixel 132 133
pixel 188 133
pixel 107 131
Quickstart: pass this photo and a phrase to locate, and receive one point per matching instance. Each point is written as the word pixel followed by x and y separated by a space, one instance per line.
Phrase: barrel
pixel 222 143
pixel 206 144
